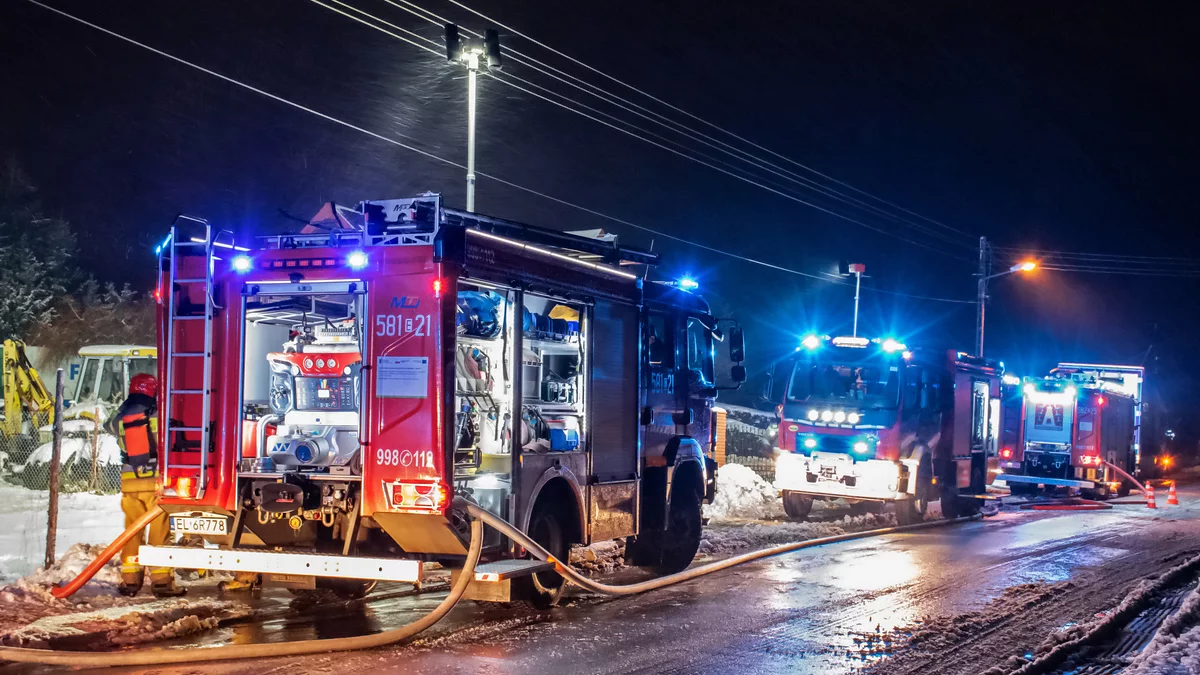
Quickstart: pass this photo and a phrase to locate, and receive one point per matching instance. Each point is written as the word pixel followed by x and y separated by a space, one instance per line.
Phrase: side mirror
pixel 768 385
pixel 737 347
pixel 738 373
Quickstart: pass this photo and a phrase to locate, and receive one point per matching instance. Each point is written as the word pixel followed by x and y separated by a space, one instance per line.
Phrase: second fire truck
pixel 873 422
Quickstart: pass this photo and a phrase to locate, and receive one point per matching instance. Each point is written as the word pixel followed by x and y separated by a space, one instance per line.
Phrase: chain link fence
pixel 89 486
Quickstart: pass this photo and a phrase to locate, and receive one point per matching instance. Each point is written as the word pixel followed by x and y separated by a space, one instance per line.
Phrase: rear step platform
pixel 272 562
pixel 493 581
pixel 510 569
pixel 1041 480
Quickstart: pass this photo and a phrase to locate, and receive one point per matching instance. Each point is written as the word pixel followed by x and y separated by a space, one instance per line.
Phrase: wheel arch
pixel 559 484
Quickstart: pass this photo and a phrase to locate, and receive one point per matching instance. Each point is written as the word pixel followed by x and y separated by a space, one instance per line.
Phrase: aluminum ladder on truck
pixel 181 314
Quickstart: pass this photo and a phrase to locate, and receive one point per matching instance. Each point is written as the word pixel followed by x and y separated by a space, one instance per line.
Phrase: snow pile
pixel 123 626
pixel 77 449
pixel 1175 648
pixel 28 599
pixel 741 493
pixel 83 518
pixel 719 539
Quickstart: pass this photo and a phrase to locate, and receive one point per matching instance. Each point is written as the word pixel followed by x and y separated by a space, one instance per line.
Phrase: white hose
pixel 479 513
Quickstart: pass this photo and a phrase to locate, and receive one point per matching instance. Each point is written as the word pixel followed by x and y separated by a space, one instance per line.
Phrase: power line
pixel 664 121
pixel 432 156
pixel 1122 271
pixel 1101 257
pixel 685 155
pixel 695 117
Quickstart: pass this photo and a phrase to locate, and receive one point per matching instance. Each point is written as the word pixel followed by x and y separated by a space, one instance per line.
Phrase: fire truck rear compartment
pixel 300 469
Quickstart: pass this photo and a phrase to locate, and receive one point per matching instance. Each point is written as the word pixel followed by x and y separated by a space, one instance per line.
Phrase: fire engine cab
pixel 330 392
pixel 873 422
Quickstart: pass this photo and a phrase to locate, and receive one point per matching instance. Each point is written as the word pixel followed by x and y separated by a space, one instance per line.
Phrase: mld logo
pixel 405 302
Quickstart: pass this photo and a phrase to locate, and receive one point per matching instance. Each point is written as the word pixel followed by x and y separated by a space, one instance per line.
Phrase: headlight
pixel 839 417
pixel 853 418
pixel 861 447
pixel 810 443
pixel 813 415
pixel 826 416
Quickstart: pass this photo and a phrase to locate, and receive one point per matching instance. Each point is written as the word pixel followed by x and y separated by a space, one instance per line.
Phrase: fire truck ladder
pixel 181 246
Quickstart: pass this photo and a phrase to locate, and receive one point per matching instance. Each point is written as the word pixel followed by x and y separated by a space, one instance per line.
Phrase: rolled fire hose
pixel 507 529
pixel 158 657
pixel 101 560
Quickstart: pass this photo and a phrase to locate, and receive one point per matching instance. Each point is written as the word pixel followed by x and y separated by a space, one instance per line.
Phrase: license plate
pixel 829 472
pixel 200 524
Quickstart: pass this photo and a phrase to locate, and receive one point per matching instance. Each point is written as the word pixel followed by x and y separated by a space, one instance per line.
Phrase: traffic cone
pixel 1172 498
pixel 1150 496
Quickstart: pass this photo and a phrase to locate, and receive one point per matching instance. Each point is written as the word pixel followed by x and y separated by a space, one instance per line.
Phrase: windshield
pixel 871 382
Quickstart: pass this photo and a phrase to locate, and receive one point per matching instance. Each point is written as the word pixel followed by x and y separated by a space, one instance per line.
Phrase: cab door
pixel 664 384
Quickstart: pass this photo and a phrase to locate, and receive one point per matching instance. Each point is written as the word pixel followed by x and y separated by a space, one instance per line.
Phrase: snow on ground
pixel 933 635
pixel 1175 648
pixel 28 599
pixel 742 493
pixel 121 626
pixel 82 518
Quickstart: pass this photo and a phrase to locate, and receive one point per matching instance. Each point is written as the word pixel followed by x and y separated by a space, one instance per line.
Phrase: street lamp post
pixel 984 277
pixel 468 52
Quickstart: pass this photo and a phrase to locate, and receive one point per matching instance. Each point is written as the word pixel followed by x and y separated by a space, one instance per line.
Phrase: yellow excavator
pixel 24 392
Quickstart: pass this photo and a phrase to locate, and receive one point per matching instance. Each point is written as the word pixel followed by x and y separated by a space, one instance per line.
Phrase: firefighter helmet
pixel 143 383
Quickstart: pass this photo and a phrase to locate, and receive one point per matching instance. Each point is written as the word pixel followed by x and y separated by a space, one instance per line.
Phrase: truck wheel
pixel 796 505
pixel 682 538
pixel 1125 489
pixel 969 505
pixel 912 511
pixel 544 589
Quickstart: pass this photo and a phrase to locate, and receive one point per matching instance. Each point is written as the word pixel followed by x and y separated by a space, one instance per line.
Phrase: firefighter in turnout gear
pixel 139 473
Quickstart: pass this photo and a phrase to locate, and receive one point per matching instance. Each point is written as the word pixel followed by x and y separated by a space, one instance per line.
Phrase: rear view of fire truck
pixel 332 392
pixel 872 422
pixel 1071 428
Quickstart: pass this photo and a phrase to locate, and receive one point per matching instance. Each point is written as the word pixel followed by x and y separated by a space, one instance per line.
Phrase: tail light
pixel 1091 460
pixel 424 497
pixel 1006 453
pixel 437 288
pixel 184 485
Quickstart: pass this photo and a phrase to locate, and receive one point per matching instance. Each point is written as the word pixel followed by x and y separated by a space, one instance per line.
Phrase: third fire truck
pixel 873 422
pixel 1073 431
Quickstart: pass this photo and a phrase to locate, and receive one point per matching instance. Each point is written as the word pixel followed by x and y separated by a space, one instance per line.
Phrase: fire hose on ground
pixel 480 516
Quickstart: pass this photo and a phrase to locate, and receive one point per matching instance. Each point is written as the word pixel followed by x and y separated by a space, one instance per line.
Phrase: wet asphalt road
pixel 795 613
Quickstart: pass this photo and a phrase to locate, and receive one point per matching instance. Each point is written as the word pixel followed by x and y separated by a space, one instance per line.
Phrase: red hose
pixel 106 555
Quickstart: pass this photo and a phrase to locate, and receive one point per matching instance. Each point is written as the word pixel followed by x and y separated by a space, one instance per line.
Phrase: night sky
pixel 1065 126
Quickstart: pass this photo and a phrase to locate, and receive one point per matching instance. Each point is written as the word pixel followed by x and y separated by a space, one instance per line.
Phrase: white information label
pixel 402 376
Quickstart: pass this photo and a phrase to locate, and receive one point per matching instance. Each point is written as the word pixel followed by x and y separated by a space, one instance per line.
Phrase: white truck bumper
pixel 839 475
pixel 271 562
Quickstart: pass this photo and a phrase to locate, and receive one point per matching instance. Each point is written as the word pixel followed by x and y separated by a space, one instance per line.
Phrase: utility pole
pixel 981 301
pixel 857 269
pixel 468 52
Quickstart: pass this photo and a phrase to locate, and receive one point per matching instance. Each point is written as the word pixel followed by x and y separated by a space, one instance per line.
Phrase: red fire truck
pixel 329 393
pixel 1070 427
pixel 872 422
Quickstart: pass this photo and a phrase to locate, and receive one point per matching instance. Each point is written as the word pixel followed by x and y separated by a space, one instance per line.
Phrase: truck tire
pixel 796 505
pixel 544 589
pixel 681 541
pixel 912 511
pixel 966 505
